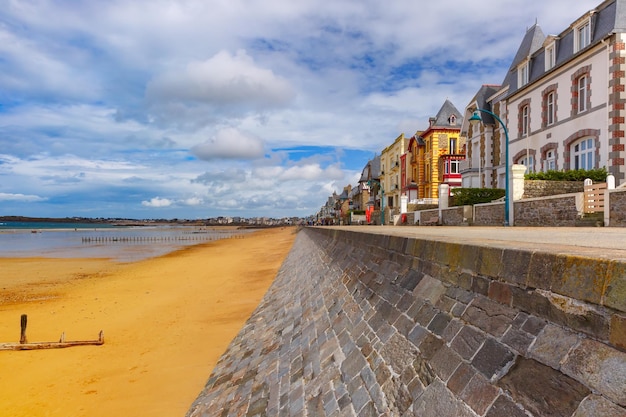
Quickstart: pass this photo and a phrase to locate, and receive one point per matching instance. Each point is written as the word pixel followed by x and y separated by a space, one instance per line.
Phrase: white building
pixel 562 100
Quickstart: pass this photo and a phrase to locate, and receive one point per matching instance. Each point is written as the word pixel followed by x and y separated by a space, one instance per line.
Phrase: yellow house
pixel 442 151
pixel 390 172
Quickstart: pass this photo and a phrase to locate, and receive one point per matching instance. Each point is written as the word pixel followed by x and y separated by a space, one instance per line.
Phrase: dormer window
pixel 522 74
pixel 582 35
pixel 550 57
pixel 452 120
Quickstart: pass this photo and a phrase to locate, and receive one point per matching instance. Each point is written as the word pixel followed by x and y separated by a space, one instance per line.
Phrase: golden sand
pixel 166 322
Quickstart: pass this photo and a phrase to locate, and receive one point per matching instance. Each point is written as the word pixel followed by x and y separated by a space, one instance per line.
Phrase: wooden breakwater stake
pixel 62 343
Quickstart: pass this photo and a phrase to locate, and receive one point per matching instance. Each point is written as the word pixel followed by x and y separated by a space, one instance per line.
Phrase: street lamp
pixel 382 200
pixel 474 120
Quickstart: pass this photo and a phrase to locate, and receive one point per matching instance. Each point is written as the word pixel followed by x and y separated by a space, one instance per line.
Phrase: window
pixel 451 167
pixel 550 57
pixel 454 167
pixel 583 36
pixel 550 108
pixel 525 120
pixel 583 154
pixel 522 73
pixel 550 161
pixel 582 93
pixel 528 162
pixel 452 148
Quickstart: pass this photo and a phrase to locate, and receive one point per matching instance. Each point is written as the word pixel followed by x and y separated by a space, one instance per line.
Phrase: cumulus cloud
pixel 230 144
pixel 157 202
pixel 223 80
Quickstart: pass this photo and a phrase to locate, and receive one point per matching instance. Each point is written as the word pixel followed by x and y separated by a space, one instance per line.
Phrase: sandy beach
pixel 166 321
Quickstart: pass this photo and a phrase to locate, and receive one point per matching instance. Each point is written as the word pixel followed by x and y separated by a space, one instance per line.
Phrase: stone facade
pixel 359 324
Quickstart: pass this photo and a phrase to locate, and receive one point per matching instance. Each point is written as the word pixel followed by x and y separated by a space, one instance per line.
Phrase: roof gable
pixel 448 116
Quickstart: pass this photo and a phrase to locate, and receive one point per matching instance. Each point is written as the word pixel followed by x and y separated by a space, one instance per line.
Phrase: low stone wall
pixel 429 217
pixel 547 211
pixel 358 324
pixel 489 214
pixel 540 188
pixel 617 212
pixel 457 216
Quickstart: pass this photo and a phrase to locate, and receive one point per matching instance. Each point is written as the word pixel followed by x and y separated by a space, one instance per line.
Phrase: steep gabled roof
pixel 444 116
pixel 532 42
pixel 371 170
pixel 482 101
pixel 608 18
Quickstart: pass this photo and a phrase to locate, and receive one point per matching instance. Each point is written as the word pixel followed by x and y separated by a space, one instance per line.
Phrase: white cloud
pixel 157 202
pixel 230 143
pixel 226 84
pixel 224 79
pixel 21 197
pixel 311 172
pixel 193 201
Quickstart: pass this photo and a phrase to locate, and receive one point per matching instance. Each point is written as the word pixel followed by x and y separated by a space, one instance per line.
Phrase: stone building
pixel 562 100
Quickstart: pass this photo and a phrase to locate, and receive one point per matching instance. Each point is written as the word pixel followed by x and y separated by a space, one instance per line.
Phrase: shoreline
pixel 125 244
pixel 166 322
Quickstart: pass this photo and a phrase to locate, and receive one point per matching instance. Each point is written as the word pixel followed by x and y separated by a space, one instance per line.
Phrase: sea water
pixel 88 240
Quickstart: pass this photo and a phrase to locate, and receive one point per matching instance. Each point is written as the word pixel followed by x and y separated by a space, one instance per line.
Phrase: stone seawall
pixel 358 324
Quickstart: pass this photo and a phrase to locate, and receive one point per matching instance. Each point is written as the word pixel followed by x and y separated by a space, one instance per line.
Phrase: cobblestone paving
pixel 363 325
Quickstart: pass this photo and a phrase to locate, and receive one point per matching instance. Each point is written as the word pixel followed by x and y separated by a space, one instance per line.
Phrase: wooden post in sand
pixel 23 323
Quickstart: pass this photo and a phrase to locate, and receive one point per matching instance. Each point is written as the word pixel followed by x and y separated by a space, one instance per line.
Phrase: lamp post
pixel 474 120
pixel 382 200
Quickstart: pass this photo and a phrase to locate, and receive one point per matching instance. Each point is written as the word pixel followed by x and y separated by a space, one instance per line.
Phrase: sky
pixel 190 109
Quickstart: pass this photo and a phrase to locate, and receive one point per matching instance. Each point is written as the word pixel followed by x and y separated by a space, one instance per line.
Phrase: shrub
pixel 596 175
pixel 471 196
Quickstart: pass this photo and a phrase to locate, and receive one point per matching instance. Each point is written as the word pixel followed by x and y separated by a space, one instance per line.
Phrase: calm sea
pixel 86 240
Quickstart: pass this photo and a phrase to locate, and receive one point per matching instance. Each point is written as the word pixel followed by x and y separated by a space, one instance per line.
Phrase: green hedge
pixel 471 196
pixel 596 175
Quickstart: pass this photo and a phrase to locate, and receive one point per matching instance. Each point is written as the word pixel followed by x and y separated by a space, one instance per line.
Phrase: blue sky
pixel 202 108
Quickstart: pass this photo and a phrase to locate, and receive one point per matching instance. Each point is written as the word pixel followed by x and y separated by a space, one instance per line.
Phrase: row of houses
pixel 561 106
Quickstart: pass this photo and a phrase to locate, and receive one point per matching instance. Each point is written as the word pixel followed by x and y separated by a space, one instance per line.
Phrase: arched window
pixel 528 162
pixel 583 154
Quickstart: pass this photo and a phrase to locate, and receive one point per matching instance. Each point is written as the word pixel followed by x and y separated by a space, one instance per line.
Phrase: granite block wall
pixel 358 324
pixel 617 200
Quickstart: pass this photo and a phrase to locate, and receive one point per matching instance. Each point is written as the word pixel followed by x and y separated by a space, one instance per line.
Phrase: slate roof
pixel 481 99
pixel 443 116
pixel 608 18
pixel 372 165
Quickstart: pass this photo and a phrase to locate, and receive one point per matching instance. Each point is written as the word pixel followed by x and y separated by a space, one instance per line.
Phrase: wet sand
pixel 166 322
